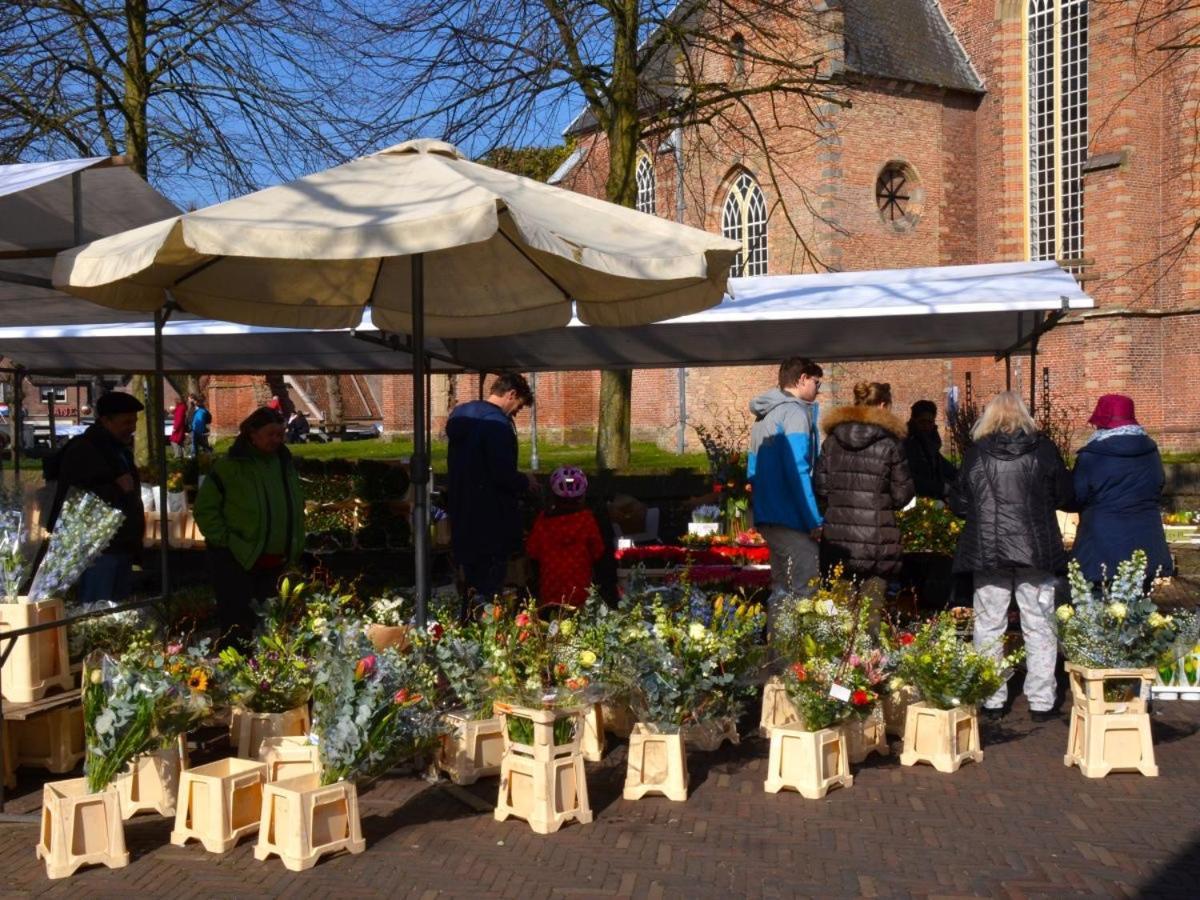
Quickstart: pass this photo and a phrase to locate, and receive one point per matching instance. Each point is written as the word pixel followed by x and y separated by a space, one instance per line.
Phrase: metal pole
pixel 681 437
pixel 1008 372
pixel 680 214
pixel 420 461
pixel 534 461
pixel 51 418
pixel 159 446
pixel 18 416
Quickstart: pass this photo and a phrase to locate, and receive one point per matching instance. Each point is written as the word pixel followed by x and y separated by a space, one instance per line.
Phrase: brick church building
pixel 976 131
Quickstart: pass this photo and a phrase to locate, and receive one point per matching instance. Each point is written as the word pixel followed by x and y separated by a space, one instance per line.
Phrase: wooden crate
pixel 777 709
pixel 247 730
pixel 1110 742
pixel 657 764
pixel 301 821
pixel 151 783
pixel 1087 689
pixel 543 783
pixel 80 829
pixel 809 762
pixel 472 750
pixel 50 740
pixel 219 803
pixel 289 757
pixel 38 663
pixel 944 738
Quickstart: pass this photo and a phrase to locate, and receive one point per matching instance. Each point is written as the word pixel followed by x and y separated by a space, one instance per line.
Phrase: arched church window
pixel 744 219
pixel 645 184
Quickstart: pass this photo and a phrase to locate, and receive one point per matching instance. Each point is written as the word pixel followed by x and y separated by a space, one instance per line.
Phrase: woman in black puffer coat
pixel 861 479
pixel 1011 482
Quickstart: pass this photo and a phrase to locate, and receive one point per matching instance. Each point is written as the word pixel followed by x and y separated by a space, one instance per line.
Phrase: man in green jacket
pixel 251 512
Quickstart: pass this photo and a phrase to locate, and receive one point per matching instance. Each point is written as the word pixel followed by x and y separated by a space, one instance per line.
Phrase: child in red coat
pixel 565 541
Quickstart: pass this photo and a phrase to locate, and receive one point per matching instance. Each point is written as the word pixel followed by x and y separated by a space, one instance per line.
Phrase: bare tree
pixel 231 92
pixel 486 74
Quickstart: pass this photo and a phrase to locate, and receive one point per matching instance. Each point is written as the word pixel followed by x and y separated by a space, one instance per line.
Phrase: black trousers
pixel 236 590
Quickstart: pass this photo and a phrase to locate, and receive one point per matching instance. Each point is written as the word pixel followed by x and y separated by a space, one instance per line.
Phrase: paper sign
pixel 839 692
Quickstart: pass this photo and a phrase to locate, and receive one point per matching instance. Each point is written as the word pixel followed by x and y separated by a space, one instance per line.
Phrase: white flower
pixel 696 631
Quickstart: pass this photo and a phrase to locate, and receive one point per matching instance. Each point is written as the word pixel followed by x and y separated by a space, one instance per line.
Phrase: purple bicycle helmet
pixel 568 482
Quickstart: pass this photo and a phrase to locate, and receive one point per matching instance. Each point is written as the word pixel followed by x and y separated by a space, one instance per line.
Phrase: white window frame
pixel 744 219
pixel 1057 121
pixel 647 184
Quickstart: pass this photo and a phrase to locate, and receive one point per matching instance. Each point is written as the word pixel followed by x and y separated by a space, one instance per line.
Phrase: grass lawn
pixel 646 457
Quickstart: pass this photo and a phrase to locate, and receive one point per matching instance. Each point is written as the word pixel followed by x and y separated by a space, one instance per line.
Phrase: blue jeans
pixel 110 577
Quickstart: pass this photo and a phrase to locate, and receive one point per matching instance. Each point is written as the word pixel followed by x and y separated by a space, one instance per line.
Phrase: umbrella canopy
pixel 502 254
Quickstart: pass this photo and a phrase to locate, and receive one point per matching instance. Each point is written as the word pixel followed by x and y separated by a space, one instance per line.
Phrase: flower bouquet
pixel 706 513
pixel 928 526
pixel 84 528
pixel 371 710
pixel 138 703
pixel 14 565
pixel 274 676
pixel 947 671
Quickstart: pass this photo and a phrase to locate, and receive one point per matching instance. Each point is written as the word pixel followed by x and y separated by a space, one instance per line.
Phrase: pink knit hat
pixel 1113 411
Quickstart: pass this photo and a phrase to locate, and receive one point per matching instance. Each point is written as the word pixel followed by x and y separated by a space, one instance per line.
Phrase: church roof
pixel 908 40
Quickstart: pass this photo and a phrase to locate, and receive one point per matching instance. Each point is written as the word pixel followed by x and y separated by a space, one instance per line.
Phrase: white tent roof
pixel 979 309
pixel 37 219
pixel 888 314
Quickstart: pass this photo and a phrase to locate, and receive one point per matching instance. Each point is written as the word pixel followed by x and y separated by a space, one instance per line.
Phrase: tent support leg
pixel 1007 372
pixel 420 457
pixel 534 461
pixel 18 423
pixel 1033 348
pixel 159 445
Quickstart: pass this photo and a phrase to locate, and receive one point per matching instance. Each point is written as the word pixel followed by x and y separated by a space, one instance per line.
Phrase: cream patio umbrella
pixel 435 244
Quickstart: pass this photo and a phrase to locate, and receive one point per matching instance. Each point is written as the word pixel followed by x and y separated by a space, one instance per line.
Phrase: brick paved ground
pixel 1018 825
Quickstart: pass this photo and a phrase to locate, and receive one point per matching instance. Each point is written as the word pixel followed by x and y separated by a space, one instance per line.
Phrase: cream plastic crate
pixel 711 734
pixel 80 829
pixel 247 730
pixel 1112 742
pixel 543 783
pixel 302 820
pixel 777 709
pixel 944 738
pixel 38 663
pixel 473 748
pixel 1087 689
pixel 151 783
pixel 895 709
pixel 591 744
pixel 866 735
pixel 289 757
pixel 657 764
pixel 809 762
pixel 219 803
pixel 50 740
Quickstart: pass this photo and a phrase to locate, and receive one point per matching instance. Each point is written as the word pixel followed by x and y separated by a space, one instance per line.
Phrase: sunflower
pixel 198 680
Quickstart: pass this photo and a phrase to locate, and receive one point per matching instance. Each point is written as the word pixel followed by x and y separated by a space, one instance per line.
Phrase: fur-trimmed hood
pixel 856 427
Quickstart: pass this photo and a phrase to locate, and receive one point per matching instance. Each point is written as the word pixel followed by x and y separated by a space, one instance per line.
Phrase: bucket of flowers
pixel 268 686
pixel 952 678
pixel 1115 638
pixel 371 711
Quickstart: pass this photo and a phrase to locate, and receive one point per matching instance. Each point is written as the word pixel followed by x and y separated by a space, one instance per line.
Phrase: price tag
pixel 839 692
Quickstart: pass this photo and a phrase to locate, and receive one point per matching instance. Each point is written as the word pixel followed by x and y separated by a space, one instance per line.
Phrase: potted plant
pixel 706 520
pixel 38 663
pixel 1181 525
pixel 1115 641
pixel 952 678
pixel 929 535
pixel 269 687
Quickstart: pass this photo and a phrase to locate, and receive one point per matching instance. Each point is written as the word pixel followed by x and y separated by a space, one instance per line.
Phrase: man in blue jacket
pixel 783 451
pixel 485 486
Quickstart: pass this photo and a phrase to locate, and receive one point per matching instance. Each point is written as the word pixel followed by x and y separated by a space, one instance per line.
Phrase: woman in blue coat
pixel 1118 488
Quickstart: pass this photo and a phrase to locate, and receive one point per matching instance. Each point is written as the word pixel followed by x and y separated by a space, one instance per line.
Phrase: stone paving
pixel 1019 824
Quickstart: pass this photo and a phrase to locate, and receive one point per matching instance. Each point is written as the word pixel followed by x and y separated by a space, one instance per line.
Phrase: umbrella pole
pixel 160 446
pixel 18 425
pixel 420 457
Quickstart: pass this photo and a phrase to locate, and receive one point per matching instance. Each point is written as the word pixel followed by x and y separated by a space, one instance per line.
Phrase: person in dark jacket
pixel 100 461
pixel 862 478
pixel 1012 481
pixel 932 473
pixel 1118 487
pixel 485 487
pixel 250 510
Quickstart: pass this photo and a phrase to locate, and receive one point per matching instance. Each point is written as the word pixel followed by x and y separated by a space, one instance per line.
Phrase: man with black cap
pixel 100 461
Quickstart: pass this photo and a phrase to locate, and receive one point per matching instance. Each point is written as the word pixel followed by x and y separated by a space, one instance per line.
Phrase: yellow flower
pixel 1117 611
pixel 1064 613
pixel 1157 620
pixel 198 680
pixel 587 659
pixel 96 676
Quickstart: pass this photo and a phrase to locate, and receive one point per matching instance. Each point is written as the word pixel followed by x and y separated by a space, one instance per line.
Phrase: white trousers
pixel 1035 599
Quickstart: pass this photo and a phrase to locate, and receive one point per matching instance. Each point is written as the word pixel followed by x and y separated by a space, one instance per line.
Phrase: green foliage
pixel 538 163
pixel 929 527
